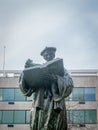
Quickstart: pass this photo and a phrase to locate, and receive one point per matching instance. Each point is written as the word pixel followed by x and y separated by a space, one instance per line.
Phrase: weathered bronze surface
pixel 49 84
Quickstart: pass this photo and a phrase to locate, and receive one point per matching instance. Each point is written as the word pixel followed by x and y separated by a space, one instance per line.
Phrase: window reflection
pixel 82 116
pixel 7 117
pixel 14 116
pixel 8 94
pixel 83 94
pixel 19 96
pixel 19 117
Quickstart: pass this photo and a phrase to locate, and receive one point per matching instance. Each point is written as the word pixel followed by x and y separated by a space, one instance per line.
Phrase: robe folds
pixel 48 110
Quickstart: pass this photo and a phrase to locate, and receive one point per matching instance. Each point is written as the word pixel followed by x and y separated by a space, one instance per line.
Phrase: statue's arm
pixel 26 90
pixel 63 87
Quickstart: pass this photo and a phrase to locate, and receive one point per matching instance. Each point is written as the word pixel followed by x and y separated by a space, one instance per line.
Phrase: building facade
pixel 82 104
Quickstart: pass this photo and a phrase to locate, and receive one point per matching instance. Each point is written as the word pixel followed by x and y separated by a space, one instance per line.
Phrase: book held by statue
pixel 35 76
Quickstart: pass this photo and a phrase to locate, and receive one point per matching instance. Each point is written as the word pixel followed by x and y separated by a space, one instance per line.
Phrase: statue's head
pixel 48 53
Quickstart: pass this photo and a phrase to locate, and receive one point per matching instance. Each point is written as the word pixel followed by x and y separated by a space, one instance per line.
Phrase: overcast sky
pixel 28 26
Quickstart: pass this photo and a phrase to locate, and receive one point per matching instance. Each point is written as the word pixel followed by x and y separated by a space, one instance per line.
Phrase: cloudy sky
pixel 28 26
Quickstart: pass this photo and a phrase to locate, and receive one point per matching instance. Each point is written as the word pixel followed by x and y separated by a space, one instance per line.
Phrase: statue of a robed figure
pixel 50 84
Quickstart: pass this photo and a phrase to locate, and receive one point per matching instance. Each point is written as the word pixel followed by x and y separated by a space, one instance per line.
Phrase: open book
pixel 34 76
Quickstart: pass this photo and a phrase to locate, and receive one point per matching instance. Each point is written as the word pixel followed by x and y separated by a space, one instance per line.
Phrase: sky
pixel 28 26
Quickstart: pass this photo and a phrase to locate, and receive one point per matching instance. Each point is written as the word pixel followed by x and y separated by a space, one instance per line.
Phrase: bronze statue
pixel 50 84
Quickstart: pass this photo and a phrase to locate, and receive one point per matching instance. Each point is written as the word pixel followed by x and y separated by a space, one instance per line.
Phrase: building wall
pixel 81 78
pixel 84 79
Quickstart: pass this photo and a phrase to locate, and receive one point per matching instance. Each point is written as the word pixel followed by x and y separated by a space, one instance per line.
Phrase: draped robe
pixel 48 110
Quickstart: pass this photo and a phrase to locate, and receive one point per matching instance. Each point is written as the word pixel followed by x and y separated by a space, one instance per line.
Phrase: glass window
pixel 19 117
pixel 15 117
pixel 76 116
pixel 82 116
pixel 78 94
pixel 27 117
pixel 0 94
pixel 8 94
pixel 83 93
pixel 7 117
pixel 90 94
pixel 19 96
pixel 69 116
pixel 90 116
pixel 0 117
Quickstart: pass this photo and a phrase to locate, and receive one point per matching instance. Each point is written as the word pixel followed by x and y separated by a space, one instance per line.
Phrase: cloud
pixel 28 26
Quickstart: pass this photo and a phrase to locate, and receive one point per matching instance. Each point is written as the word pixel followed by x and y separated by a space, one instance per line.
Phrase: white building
pixel 82 105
